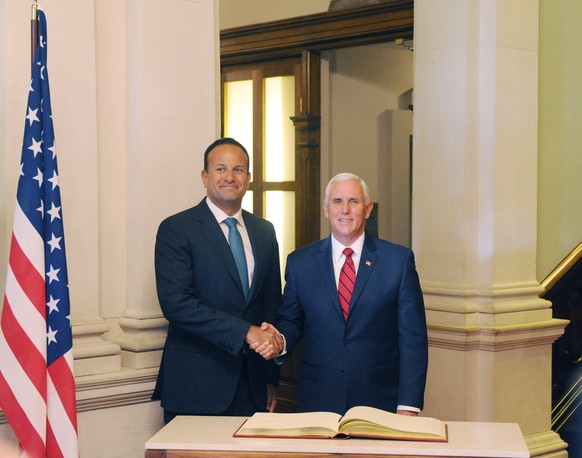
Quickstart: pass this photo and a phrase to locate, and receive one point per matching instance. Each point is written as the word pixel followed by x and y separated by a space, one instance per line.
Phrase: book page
pixel 360 416
pixel 291 424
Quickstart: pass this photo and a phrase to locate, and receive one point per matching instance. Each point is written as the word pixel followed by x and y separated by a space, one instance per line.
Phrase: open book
pixel 357 422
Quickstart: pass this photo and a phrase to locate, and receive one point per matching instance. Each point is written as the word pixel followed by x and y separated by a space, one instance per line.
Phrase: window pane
pixel 238 114
pixel 279 137
pixel 281 212
pixel 247 202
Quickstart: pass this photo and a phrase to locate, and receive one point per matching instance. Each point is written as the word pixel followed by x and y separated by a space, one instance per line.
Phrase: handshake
pixel 265 340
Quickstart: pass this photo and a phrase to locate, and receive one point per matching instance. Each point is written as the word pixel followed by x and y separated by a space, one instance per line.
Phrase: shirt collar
pixel 220 215
pixel 337 248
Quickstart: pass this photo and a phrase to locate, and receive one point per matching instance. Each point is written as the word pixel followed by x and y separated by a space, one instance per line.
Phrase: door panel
pixel 266 106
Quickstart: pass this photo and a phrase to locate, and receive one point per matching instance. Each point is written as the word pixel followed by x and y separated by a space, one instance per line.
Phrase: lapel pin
pixel 368 263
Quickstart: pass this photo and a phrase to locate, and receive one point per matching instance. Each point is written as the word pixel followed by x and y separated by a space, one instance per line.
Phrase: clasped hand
pixel 265 340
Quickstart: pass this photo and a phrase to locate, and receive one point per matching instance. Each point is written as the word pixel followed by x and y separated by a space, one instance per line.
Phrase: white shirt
pixel 220 217
pixel 338 256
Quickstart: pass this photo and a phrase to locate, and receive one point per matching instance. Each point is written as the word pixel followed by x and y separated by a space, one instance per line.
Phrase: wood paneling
pixel 317 32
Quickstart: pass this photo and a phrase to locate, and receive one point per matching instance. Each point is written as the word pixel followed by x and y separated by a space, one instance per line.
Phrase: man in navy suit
pixel 207 366
pixel 375 353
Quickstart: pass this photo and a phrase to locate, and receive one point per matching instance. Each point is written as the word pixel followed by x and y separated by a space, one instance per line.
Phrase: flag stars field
pixel 54 212
pixel 52 274
pixel 35 147
pixel 51 336
pixel 54 180
pixel 31 116
pixel 52 305
pixel 41 208
pixel 38 177
pixel 54 243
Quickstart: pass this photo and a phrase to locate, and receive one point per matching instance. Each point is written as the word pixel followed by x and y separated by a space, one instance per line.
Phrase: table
pixel 209 437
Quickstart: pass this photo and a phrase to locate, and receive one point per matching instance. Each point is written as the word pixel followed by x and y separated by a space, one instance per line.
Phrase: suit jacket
pixel 201 296
pixel 378 356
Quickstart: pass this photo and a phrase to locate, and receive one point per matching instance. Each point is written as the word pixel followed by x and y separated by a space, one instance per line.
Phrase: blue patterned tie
pixel 238 251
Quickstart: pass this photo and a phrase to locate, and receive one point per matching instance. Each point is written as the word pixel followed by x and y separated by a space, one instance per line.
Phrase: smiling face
pixel 227 178
pixel 347 210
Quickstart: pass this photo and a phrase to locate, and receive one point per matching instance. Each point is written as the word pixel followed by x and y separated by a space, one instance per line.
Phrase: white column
pixel 171 95
pixel 475 213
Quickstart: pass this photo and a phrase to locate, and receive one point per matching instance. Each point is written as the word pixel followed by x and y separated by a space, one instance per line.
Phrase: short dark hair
pixel 224 141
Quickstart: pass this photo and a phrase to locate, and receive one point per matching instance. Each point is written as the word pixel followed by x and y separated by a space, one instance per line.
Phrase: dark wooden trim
pixel 308 152
pixel 317 32
pixel 258 160
pixel 272 186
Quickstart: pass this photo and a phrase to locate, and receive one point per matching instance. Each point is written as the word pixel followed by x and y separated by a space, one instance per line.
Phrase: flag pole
pixel 33 30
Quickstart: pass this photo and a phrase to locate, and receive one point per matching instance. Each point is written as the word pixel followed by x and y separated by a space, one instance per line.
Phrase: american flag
pixel 37 385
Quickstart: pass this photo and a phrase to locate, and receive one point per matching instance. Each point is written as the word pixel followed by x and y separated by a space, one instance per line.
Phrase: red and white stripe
pixel 38 401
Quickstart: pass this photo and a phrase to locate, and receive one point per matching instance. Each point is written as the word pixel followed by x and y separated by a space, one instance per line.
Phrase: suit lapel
pixel 213 233
pixel 365 268
pixel 325 260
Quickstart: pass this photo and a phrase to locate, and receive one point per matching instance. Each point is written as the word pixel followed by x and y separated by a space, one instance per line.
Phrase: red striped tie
pixel 347 280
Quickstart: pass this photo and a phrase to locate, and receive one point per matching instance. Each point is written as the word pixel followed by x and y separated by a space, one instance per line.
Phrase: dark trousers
pixel 243 404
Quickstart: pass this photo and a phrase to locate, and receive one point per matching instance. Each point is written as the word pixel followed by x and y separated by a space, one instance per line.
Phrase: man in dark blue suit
pixel 375 352
pixel 215 311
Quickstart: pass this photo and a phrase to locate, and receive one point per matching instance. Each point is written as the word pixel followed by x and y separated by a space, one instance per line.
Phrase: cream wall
pixel 236 13
pixel 560 136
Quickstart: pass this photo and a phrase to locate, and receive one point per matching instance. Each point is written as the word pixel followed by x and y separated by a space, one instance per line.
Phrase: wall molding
pixel 96 392
pixel 495 338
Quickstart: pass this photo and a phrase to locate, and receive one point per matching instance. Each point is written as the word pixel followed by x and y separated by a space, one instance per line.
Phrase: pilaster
pixel 142 341
pixel 474 215
pixel 170 117
pixel 94 355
